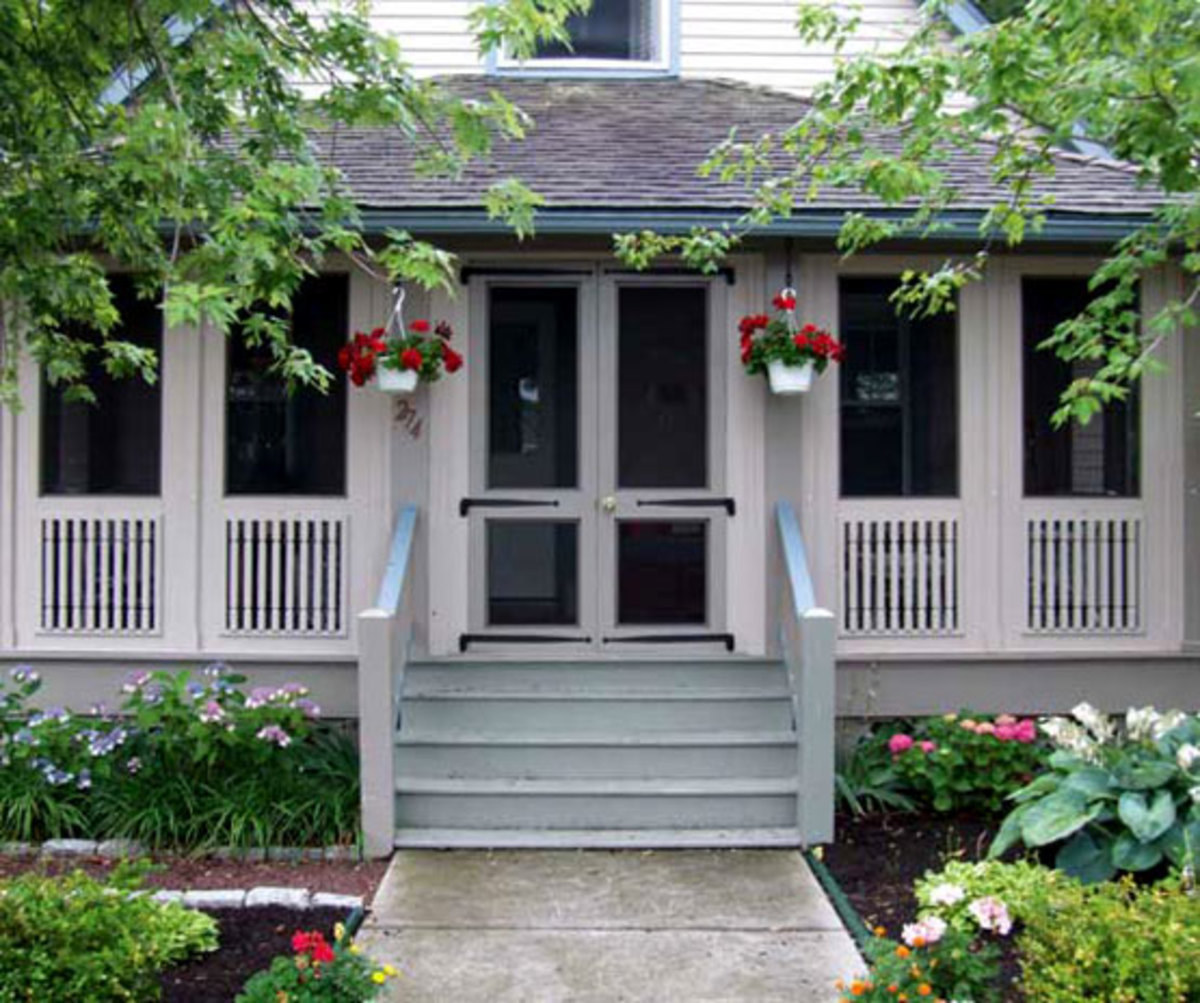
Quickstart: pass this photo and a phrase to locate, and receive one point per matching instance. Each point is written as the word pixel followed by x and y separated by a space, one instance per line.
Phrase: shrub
pixel 1113 800
pixel 866 780
pixel 966 762
pixel 184 763
pixel 72 938
pixel 319 972
pixel 1114 942
pixel 1022 886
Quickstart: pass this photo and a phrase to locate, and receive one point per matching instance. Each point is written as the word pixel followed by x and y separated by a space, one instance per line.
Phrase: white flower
pixel 946 894
pixel 1194 793
pixel 927 931
pixel 1140 722
pixel 1169 721
pixel 1187 756
pixel 991 914
pixel 1095 721
pixel 1073 738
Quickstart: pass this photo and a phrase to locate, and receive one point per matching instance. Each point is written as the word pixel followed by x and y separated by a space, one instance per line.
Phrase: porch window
pixel 613 33
pixel 281 443
pixel 899 396
pixel 1096 459
pixel 112 446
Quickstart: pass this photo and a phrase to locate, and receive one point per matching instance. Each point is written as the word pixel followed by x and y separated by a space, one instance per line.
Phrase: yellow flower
pixel 379 978
pixel 950 717
pixel 390 972
pixel 339 931
pixel 355 949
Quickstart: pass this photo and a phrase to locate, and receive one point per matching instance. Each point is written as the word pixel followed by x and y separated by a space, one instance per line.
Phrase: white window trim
pixel 664 62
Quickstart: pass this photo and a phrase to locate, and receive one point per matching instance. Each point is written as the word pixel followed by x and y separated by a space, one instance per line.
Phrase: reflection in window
pixel 662 575
pixel 1099 458
pixel 533 389
pixel 532 573
pixel 278 443
pixel 899 396
pixel 111 447
pixel 612 29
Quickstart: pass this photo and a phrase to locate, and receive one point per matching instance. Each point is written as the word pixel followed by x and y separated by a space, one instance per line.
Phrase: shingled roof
pixel 634 145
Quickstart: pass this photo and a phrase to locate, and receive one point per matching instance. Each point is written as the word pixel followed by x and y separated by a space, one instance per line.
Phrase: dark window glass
pixel 532 573
pixel 612 29
pixel 111 447
pixel 278 443
pixel 899 396
pixel 662 391
pixel 533 389
pixel 662 574
pixel 1099 458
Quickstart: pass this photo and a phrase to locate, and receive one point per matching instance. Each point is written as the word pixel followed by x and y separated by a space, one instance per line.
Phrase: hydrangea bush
pixel 183 761
pixel 1113 798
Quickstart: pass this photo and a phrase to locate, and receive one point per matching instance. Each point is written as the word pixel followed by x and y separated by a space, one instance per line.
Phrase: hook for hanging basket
pixel 395 323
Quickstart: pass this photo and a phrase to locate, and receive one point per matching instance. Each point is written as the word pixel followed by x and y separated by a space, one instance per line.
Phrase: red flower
pixel 747 350
pixel 344 358
pixel 753 322
pixel 782 302
pixel 420 326
pixel 801 341
pixel 452 359
pixel 410 358
pixel 747 340
pixel 322 952
pixel 378 334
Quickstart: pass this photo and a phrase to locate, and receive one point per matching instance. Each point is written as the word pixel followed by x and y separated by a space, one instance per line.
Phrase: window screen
pixel 1099 458
pixel 612 29
pixel 112 446
pixel 899 396
pixel 278 443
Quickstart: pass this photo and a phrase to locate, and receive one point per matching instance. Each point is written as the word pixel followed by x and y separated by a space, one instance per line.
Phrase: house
pixel 591 590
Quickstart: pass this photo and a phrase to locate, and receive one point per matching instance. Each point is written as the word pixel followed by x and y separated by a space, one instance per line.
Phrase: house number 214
pixel 409 418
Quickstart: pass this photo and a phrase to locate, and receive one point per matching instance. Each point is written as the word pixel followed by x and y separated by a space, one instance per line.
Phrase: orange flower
pixel 881 931
pixel 918 942
pixel 857 988
pixel 893 989
pixel 924 989
pixel 839 985
pixel 902 951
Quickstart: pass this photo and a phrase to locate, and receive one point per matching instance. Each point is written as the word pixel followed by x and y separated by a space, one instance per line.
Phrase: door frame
pixel 745 545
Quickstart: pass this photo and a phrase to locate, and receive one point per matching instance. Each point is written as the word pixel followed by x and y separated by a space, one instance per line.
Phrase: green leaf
pixel 1145 776
pixel 1086 859
pixel 1056 817
pixel 1129 854
pixel 1091 781
pixel 1147 823
pixel 1009 834
pixel 1047 783
pixel 1181 843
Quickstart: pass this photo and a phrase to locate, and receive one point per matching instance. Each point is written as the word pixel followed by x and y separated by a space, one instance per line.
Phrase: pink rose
pixel 1006 732
pixel 1026 731
pixel 900 743
pixel 928 746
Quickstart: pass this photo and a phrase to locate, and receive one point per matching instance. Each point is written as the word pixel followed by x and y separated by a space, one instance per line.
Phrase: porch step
pixel 596 753
pixel 594 839
pixel 595 804
pixel 615 754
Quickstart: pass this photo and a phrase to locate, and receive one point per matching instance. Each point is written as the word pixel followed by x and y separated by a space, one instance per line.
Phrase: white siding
pixel 750 40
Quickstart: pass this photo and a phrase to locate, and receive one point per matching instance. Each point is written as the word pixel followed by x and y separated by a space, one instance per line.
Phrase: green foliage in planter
pixel 1113 801
pixel 319 972
pixel 187 763
pixel 69 939
pixel 1113 941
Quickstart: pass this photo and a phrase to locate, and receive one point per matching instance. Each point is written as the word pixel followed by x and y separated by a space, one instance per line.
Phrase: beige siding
pixel 750 40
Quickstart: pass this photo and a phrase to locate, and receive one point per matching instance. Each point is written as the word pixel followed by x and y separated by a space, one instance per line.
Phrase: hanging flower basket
pixel 398 358
pixel 789 355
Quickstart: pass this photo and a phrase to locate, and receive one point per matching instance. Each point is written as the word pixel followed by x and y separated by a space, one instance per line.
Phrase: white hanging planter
pixel 787 379
pixel 396 381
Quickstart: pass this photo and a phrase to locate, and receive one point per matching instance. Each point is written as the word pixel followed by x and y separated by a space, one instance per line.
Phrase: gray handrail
pixel 808 635
pixel 384 636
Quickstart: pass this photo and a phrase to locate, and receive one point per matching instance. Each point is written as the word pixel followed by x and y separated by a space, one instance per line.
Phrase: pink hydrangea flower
pixel 927 931
pixel 928 746
pixel 968 725
pixel 1005 719
pixel 991 914
pixel 1005 732
pixel 1026 731
pixel 899 743
pixel 985 728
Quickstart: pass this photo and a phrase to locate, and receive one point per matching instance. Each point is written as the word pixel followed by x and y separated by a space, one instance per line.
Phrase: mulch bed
pixel 877 858
pixel 250 940
pixel 197 873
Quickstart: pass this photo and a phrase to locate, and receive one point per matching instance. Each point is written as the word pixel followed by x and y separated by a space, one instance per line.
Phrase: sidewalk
pixel 608 927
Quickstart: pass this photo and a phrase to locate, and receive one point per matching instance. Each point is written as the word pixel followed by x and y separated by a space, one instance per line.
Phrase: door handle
pixel 608 504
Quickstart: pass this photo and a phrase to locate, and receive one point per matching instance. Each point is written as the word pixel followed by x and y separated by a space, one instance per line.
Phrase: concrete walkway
pixel 608 927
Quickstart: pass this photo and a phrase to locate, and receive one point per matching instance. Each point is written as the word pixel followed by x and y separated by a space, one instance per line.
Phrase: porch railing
pixel 384 636
pixel 808 635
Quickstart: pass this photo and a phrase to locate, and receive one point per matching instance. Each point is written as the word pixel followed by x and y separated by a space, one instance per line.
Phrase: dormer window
pixel 615 35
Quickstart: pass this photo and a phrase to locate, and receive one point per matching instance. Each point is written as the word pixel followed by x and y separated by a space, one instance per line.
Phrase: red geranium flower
pixel 410 358
pixel 782 302
pixel 420 326
pixel 452 359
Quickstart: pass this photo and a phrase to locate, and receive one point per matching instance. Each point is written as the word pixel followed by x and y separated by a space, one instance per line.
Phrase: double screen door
pixel 597 511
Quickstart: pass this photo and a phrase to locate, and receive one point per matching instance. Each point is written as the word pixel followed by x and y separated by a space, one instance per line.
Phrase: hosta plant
pixel 1114 798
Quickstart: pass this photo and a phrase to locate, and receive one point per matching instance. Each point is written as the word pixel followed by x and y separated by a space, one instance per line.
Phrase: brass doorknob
pixel 608 504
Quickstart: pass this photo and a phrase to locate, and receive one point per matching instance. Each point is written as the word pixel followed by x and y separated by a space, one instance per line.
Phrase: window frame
pixel 665 62
pixel 904 331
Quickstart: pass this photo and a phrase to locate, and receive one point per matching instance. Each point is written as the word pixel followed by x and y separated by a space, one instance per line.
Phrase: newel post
pixel 818 636
pixel 376 731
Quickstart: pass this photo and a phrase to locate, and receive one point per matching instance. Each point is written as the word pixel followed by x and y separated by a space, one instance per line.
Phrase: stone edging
pixel 249 898
pixel 118 849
